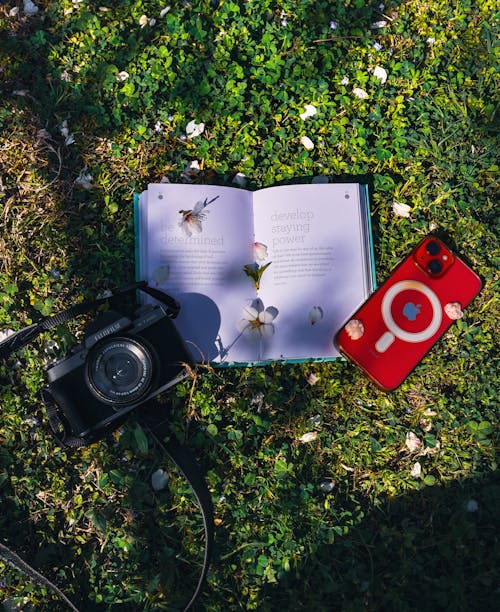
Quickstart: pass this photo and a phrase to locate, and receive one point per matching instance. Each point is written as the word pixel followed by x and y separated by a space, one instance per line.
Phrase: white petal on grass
pixel 310 111
pixel 400 209
pixel 376 25
pixel 30 8
pixel 122 76
pixel 84 180
pixel 360 93
pixel 5 333
pixel 240 179
pixel 412 442
pixel 14 11
pixel 143 21
pixel 312 379
pixel 164 11
pixel 307 143
pixel 416 470
pixel 159 479
pixel 345 81
pixel 380 73
pixel 310 436
pixel 194 129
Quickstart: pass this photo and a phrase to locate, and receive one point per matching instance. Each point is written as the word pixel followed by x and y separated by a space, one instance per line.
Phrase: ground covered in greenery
pixel 391 501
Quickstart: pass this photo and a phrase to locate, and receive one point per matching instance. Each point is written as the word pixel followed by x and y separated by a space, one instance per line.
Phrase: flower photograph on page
pixel 257 322
pixel 191 222
pixel 256 270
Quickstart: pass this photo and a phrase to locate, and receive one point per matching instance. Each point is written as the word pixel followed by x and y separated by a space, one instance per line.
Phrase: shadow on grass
pixel 434 549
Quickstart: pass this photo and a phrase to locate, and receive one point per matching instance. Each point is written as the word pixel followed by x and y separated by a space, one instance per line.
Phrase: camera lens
pixel 120 370
pixel 432 248
pixel 434 266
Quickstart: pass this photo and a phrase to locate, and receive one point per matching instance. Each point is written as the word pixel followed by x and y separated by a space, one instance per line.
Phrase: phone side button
pixel 384 342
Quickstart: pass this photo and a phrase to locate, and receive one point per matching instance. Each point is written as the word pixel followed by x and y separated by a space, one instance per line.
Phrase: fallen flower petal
pixel 164 11
pixel 30 8
pixel 315 314
pixel 240 179
pixel 309 111
pixel 412 442
pixel 454 311
pixel 159 480
pixel 354 329
pixel 312 379
pixel 416 470
pixel 84 180
pixel 194 129
pixel 380 73
pixel 143 21
pixel 307 143
pixel 122 76
pixel 360 93
pixel 401 210
pixel 378 24
pixel 308 437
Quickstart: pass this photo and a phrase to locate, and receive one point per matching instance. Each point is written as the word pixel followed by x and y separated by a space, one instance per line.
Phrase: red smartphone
pixel 400 322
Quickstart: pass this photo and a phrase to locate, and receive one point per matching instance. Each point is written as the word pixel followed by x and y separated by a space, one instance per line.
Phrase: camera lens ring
pixel 119 370
pixel 432 247
pixel 434 266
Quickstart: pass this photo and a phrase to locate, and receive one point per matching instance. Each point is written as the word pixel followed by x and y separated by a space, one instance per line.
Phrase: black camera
pixel 121 364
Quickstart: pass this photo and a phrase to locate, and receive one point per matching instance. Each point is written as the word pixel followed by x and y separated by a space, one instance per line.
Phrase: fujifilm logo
pixel 108 331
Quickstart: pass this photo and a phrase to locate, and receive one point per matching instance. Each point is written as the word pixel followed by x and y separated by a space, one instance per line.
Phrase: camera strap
pixel 21 338
pixel 152 417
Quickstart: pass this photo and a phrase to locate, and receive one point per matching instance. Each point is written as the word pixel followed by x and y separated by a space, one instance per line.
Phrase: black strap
pixel 184 460
pixel 24 336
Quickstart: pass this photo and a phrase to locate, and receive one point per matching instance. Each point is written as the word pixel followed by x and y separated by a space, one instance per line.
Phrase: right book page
pixel 320 271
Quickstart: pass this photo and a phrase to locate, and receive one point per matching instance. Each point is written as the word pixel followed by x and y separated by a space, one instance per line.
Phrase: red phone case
pixel 399 323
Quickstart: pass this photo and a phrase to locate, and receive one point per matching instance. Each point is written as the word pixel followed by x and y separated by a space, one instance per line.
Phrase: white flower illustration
pixel 259 251
pixel 257 321
pixel 191 219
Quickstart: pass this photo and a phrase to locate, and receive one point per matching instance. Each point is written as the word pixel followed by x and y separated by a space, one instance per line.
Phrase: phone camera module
pixel 432 248
pixel 434 266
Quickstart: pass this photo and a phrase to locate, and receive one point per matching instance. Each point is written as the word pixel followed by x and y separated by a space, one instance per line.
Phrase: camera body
pixel 122 363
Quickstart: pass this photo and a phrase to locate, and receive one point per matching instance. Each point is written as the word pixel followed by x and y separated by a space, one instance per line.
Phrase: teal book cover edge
pixel 242 364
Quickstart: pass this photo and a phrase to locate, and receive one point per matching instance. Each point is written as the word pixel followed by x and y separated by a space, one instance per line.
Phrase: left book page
pixel 194 241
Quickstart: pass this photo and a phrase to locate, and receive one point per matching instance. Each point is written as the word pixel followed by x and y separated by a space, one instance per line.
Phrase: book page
pixel 318 271
pixel 197 240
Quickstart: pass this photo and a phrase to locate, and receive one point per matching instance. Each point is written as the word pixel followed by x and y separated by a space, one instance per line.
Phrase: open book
pixel 261 276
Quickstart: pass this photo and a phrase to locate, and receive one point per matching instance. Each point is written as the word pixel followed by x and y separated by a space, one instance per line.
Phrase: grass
pixel 338 523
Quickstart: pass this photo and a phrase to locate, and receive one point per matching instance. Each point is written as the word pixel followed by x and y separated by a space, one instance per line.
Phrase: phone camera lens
pixel 432 248
pixel 434 266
